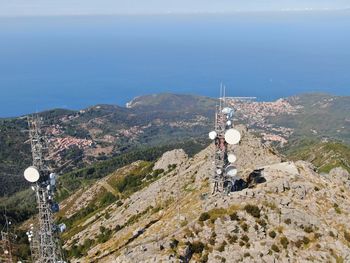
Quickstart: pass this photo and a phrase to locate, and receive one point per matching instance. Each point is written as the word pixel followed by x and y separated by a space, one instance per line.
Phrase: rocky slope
pixel 296 215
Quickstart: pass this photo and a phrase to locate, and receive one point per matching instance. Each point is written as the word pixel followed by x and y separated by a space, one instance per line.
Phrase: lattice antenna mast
pixel 43 237
pixel 223 135
pixel 5 243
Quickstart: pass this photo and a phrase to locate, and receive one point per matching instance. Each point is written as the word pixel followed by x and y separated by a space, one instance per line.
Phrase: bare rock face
pixel 177 157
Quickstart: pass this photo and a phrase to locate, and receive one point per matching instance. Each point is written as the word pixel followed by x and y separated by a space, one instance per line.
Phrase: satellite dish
pixel 31 174
pixel 229 123
pixel 231 158
pixel 218 171
pixel 62 227
pixel 232 136
pixel 213 135
pixel 227 110
pixel 231 170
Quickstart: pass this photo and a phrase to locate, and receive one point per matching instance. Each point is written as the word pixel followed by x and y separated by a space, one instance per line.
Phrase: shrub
pixel 284 242
pixel 261 222
pixel 108 198
pixel 232 239
pixel 105 235
pixel 197 247
pixel 275 248
pixel 212 239
pixel 118 228
pixel 174 243
pixel 306 240
pixel 222 246
pixel 245 227
pixel 336 208
pixel 246 254
pixel 308 229
pixel 245 238
pixel 299 243
pixel 241 243
pixel 252 210
pixel 288 221
pixel 272 234
pixel 331 234
pixel 347 236
pixel 204 217
pixel 157 172
pixel 234 216
pixel 318 235
pixel 204 258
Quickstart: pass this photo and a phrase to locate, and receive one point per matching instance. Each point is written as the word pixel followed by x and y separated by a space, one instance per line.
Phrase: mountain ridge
pixel 174 216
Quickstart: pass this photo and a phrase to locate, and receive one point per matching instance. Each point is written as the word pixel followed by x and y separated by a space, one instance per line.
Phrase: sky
pixel 110 7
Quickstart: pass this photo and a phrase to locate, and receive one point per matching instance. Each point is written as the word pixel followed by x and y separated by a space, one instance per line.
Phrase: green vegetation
pixel 74 180
pixel 244 227
pixel 325 156
pixel 234 216
pixel 222 246
pixel 284 242
pixel 337 208
pixel 232 238
pixel 272 234
pixel 347 236
pixel 275 248
pixel 196 247
pixel 252 210
pixel 204 217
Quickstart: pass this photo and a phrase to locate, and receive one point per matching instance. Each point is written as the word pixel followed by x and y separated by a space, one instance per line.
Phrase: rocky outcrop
pixel 174 157
pixel 295 215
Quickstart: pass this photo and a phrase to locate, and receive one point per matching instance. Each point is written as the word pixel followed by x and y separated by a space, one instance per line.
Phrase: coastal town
pixel 257 117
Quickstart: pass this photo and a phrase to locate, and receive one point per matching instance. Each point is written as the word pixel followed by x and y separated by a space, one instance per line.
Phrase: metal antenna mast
pixel 224 134
pixel 43 238
pixel 5 243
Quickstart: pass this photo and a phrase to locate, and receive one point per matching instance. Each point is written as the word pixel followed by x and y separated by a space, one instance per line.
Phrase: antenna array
pixel 43 237
pixel 225 173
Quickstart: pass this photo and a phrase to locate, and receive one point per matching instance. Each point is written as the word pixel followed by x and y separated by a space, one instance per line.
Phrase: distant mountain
pixel 324 155
pixel 321 116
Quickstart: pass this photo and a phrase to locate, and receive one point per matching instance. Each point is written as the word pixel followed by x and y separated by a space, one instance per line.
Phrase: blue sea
pixel 75 62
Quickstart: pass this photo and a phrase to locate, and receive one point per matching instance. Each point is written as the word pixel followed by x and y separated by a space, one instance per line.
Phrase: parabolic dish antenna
pixel 229 123
pixel 231 170
pixel 212 135
pixel 31 174
pixel 231 157
pixel 232 136
pixel 227 110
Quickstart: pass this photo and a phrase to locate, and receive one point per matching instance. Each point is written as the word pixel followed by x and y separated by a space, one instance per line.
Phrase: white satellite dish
pixel 213 135
pixel 229 123
pixel 31 174
pixel 232 136
pixel 231 158
pixel 218 171
pixel 227 110
pixel 231 170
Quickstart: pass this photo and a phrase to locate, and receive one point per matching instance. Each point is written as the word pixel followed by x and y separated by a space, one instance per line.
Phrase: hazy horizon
pixel 113 7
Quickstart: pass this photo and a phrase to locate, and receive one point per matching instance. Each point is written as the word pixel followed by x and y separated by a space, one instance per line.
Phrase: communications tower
pixel 43 237
pixel 5 243
pixel 225 172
